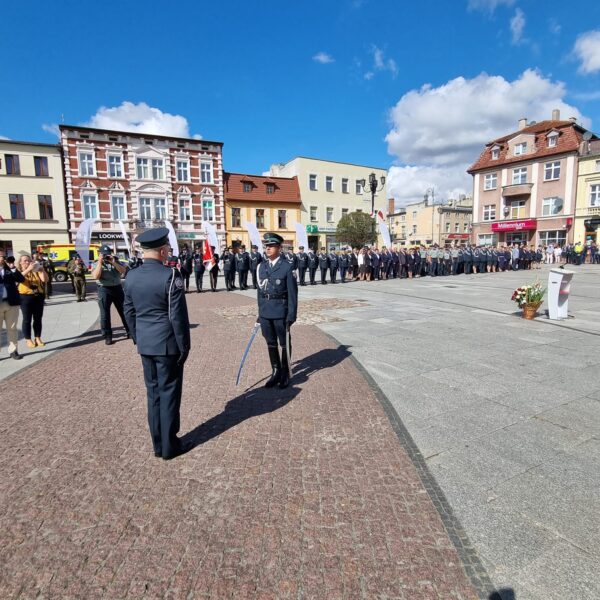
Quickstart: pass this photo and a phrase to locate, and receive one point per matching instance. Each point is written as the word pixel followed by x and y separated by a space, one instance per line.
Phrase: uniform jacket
pixel 278 281
pixel 242 261
pixel 291 258
pixel 156 311
pixel 10 278
pixel 302 259
pixel 313 261
pixel 255 259
pixel 333 261
pixel 323 260
pixel 228 261
pixel 199 265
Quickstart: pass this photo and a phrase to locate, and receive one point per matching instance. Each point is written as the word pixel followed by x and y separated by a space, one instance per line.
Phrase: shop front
pixel 114 240
pixel 455 239
pixel 515 232
pixel 591 228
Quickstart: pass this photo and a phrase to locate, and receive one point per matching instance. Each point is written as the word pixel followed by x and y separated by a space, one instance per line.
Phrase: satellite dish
pixel 587 136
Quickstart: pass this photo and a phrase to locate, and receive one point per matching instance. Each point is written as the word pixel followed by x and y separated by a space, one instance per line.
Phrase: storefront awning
pixel 457 236
pixel 523 225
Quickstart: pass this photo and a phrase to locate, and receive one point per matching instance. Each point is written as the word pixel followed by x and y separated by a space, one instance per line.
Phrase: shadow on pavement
pixel 503 594
pixel 260 401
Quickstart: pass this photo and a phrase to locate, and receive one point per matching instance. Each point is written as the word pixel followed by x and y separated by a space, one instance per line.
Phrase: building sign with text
pixel 523 225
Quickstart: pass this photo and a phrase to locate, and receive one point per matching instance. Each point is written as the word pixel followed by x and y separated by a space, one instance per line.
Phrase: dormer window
pixel 495 153
pixel 247 187
pixel 552 138
pixel 520 149
pixel 270 188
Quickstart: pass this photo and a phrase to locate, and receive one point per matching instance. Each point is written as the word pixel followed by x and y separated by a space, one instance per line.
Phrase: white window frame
pixel 81 163
pixel 559 237
pixel 490 181
pixel 520 148
pixel 549 206
pixel 118 164
pixel 122 205
pixel 345 211
pixel 345 185
pixel 208 211
pixel 552 140
pixel 329 212
pixel 358 187
pixel 281 211
pixel 142 168
pixel 414 229
pixel 595 194
pixel 182 167
pixel 185 207
pixel 489 212
pixel 314 214
pixel 517 175
pixel 456 227
pixel 94 205
pixel 313 179
pixel 158 169
pixel 495 153
pixel 518 205
pixel 414 214
pixel 486 239
pixel 162 203
pixel 154 203
pixel 204 171
pixel 447 227
pixel 552 171
pixel 466 227
pixel 145 202
pixel 598 166
pixel 329 183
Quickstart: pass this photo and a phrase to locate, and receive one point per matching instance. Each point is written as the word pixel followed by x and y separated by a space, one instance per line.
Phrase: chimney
pixel 391 206
pixel 522 123
pixel 573 119
pixel 556 114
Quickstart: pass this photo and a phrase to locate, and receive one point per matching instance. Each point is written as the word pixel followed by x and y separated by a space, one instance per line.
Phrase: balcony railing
pixel 588 211
pixel 517 189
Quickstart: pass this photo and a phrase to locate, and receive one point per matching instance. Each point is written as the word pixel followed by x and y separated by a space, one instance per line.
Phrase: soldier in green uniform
pixel 77 271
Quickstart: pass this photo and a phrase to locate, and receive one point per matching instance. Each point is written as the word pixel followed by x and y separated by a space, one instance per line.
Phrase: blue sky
pixel 340 80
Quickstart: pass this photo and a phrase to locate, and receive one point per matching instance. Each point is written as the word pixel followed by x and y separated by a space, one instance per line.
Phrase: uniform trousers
pixel 468 267
pixel 302 275
pixel 80 287
pixel 9 315
pixel 323 275
pixel 311 274
pixel 243 279
pixel 107 296
pixel 163 378
pixel 333 274
pixel 198 275
pixel 213 274
pixel 32 307
pixel 274 330
pixel 254 279
pixel 186 277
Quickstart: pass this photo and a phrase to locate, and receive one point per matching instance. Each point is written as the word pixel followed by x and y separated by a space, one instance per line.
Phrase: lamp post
pixel 372 186
pixel 426 197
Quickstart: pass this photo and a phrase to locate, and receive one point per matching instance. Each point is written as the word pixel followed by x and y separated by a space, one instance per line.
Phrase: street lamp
pixel 373 187
pixel 426 197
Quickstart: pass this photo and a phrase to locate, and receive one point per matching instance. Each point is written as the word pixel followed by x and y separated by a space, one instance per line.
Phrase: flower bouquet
pixel 529 298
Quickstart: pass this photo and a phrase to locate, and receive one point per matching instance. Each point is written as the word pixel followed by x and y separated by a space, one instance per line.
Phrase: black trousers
pixel 333 274
pixel 213 274
pixel 311 275
pixel 323 274
pixel 254 279
pixel 243 279
pixel 186 278
pixel 343 274
pixel 198 275
pixel 163 379
pixel 32 308
pixel 274 330
pixel 302 275
pixel 467 267
pixel 107 296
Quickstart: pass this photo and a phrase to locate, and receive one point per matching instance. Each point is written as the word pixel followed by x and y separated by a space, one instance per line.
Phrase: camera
pixel 107 258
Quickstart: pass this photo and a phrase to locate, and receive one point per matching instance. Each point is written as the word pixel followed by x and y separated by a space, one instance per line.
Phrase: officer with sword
pixel 277 308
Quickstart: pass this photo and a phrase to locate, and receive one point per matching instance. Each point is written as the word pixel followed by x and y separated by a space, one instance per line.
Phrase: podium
pixel 559 287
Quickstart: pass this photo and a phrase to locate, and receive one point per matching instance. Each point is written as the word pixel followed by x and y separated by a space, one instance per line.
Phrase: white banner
pixel 83 239
pixel 211 234
pixel 125 237
pixel 384 231
pixel 172 238
pixel 301 237
pixel 254 235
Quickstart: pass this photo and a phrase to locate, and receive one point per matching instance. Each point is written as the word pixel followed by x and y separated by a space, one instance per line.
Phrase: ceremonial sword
pixel 252 336
pixel 288 343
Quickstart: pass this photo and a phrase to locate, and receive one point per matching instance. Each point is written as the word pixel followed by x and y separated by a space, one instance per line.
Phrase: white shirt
pixel 272 263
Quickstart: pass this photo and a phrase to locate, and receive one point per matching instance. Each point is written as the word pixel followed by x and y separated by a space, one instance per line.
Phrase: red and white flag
pixel 207 254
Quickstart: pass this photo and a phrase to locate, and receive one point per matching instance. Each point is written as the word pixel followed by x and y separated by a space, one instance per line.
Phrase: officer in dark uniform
pixel 333 265
pixel 313 263
pixel 343 262
pixel 228 259
pixel 323 265
pixel 157 315
pixel 277 307
pixel 468 260
pixel 199 268
pixel 302 261
pixel 292 259
pixel 255 260
pixel 185 267
pixel 242 266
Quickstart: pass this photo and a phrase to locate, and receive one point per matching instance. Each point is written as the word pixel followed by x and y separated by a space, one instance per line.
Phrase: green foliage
pixel 356 229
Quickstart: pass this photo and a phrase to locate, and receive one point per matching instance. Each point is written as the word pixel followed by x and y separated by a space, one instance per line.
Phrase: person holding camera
pixel 32 291
pixel 107 272
pixel 9 302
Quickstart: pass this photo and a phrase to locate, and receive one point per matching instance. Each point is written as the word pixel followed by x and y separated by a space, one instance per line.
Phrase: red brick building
pixel 143 180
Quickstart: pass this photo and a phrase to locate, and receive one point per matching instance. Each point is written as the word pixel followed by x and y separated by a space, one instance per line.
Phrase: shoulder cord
pixel 170 290
pixel 262 283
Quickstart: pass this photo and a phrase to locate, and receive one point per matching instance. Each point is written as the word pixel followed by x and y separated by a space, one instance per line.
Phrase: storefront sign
pixel 524 225
pixel 186 236
pixel 107 235
pixel 327 229
pixel 457 236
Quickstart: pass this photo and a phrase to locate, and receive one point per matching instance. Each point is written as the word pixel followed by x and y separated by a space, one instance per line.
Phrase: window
pixel 160 209
pixel 403 217
pixel 456 227
pixel 558 237
pixel 208 210
pixel 414 215
pixel 313 214
pixel 595 195
pixel 329 183
pixel 486 239
pixel 117 207
pixel 17 206
pixel 403 231
pixel 551 206
pixel 153 208
pixel 115 165
pixel 519 175
pixel 466 229
pixel 90 206
pixel 489 212
pixel 447 227
pixel 359 187
pixel 206 172
pixel 260 218
pixel 312 183
pixel 40 164
pixel 236 217
pixel 146 209
pixel 490 181
pixel 158 171
pixel 517 209
pixel 495 153
pixel 270 188
pixel 344 186
pixel 520 148
pixel 247 187
pixel 552 170
pixel 344 212
pixel 329 213
pixel 12 164
pixel 552 138
pixel 597 166
pixel 183 170
pixel 185 212
pixel 142 168
pixel 282 219
pixel 45 206
pixel 86 164
pixel 414 230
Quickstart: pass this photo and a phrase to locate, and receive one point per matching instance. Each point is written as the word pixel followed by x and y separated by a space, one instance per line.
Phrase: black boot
pixel 276 366
pixel 285 370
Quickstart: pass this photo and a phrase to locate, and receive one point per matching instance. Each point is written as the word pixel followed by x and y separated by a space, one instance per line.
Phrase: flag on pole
pixel 301 236
pixel 125 236
pixel 172 238
pixel 83 237
pixel 383 230
pixel 207 254
pixel 211 233
pixel 254 235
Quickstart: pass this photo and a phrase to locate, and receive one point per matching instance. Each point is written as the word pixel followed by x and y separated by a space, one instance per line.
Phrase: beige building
pixel 329 190
pixel 587 206
pixel 32 198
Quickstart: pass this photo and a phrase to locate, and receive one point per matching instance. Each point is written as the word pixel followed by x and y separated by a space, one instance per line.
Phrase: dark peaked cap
pixel 272 239
pixel 154 238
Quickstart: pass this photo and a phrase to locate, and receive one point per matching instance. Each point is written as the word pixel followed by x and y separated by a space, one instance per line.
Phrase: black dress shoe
pixel 108 341
pixel 158 454
pixel 14 354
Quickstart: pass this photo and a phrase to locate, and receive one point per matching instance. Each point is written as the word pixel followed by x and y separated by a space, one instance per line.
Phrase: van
pixel 61 254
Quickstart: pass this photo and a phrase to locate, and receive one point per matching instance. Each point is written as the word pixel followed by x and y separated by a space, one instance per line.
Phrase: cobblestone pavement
pixel 303 493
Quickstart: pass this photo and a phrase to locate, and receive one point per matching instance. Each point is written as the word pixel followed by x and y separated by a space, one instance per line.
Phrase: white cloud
pixel 517 26
pixel 52 128
pixel 380 63
pixel 369 75
pixel 488 6
pixel 323 58
pixel 587 50
pixel 438 132
pixel 3 137
pixel 554 26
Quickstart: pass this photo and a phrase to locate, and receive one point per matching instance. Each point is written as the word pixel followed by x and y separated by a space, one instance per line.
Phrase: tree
pixel 356 229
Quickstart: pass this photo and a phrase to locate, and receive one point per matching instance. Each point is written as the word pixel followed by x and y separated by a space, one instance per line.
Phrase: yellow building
pixel 32 197
pixel 587 207
pixel 329 190
pixel 269 203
